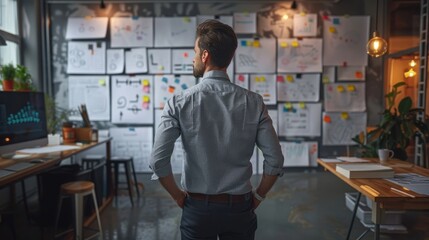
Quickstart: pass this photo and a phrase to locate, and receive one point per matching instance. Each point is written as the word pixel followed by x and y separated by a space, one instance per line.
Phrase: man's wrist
pixel 258 197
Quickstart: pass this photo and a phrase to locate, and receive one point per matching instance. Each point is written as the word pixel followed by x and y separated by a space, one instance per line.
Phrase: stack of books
pixel 364 170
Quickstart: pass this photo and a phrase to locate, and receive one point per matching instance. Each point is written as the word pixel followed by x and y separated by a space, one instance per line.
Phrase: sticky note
pixel 243 43
pixel 146 99
pixel 185 55
pixel 301 105
pixel 263 79
pixel 256 43
pixel 102 82
pixel 327 119
pixel 187 19
pixel 171 89
pixel 164 79
pixel 295 44
pixel 146 89
pixel 336 21
pixel 325 17
pixel 351 88
pixel 332 30
pixel 283 44
pixel 325 79
pixel 160 67
pixel 280 78
pixel 146 105
pixel 249 43
pixel 184 86
pixel 302 13
pixel 288 105
pixel 289 78
pixel 340 88
pixel 344 116
pixel 145 82
pixel 177 80
pixel 358 74
pixel 241 78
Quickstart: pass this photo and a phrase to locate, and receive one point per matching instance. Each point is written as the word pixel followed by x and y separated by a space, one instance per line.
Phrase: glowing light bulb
pixel 413 63
pixel 376 46
pixel 410 73
pixel 285 17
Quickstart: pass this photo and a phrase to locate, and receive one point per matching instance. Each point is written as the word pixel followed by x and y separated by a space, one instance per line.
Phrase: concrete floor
pixel 303 204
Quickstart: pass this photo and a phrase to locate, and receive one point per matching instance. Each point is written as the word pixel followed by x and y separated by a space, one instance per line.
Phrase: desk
pixel 383 197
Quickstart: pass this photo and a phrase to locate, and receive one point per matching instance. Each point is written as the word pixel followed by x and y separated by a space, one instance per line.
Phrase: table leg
pixel 354 215
pixel 376 218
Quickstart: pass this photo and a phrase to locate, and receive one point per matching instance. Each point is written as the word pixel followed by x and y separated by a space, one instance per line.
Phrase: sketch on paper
pixel 306 88
pixel 132 98
pixel 264 85
pixel 304 25
pixel 86 28
pixel 340 128
pixel 183 61
pixel 348 97
pixel 176 31
pixel 136 60
pixel 87 57
pixel 304 56
pixel 245 22
pixel 115 61
pixel 299 119
pixel 351 73
pixel 159 60
pixel 128 32
pixel 255 56
pixel 168 85
pixel 242 80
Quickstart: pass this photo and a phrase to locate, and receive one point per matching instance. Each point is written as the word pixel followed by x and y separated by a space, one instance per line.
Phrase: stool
pixel 89 161
pixel 78 190
pixel 128 163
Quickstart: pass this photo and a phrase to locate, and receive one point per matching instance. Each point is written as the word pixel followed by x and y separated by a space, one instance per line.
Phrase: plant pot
pixel 54 139
pixel 8 85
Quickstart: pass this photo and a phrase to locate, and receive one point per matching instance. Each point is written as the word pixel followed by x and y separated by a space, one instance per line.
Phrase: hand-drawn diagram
pixel 298 119
pixel 339 130
pixel 159 60
pixel 303 56
pixel 304 25
pixel 290 88
pixel 86 28
pixel 264 85
pixel 183 61
pixel 136 142
pixel 92 91
pixel 86 57
pixel 245 22
pixel 168 85
pixel 348 97
pixel 115 61
pixel 176 31
pixel 135 60
pixel 130 32
pixel 351 73
pixel 242 80
pixel 300 154
pixel 132 99
pixel 248 57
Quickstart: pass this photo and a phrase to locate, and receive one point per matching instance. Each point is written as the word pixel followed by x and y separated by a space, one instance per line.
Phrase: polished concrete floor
pixel 303 204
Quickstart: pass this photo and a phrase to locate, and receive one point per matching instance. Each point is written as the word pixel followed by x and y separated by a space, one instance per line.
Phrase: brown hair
pixel 219 40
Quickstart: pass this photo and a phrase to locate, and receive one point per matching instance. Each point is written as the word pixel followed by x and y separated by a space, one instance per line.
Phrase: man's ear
pixel 205 56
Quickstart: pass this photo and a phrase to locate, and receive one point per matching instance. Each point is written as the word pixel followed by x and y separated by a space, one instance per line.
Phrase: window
pixel 9 31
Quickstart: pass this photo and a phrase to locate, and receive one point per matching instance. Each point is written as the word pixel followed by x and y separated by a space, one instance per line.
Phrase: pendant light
pixel 376 46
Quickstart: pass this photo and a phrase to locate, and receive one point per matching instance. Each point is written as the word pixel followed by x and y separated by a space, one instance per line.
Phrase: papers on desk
pixel 412 181
pixel 48 149
pixel 331 160
pixel 364 170
pixel 19 166
pixel 352 159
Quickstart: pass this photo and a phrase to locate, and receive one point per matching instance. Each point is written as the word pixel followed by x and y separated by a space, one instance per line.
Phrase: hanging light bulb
pixel 412 63
pixel 376 46
pixel 410 73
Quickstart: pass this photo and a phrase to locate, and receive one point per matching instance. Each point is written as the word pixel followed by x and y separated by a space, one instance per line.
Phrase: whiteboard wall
pixel 248 56
pixel 298 88
pixel 299 119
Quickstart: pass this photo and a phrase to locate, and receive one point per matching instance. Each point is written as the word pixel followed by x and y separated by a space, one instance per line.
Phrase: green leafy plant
pixel 8 72
pixel 397 129
pixel 55 116
pixel 23 78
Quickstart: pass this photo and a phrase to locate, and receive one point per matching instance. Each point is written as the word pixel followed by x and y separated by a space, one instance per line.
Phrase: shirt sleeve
pixel 166 135
pixel 268 142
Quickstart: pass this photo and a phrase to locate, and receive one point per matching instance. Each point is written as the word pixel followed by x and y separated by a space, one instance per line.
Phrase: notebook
pixel 364 170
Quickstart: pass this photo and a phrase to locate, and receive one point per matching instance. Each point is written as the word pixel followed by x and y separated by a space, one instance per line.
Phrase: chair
pixel 89 161
pixel 128 163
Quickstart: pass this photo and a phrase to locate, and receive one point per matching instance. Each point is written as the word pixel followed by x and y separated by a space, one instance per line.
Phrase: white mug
pixel 385 154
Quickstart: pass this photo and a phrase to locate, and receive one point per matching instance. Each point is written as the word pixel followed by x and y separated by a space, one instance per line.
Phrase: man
pixel 219 123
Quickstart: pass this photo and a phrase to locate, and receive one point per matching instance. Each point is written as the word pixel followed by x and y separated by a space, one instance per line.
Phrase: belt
pixel 221 198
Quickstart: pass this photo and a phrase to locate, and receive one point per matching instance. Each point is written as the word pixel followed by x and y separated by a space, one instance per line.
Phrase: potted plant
pixel 23 79
pixel 397 129
pixel 55 116
pixel 8 75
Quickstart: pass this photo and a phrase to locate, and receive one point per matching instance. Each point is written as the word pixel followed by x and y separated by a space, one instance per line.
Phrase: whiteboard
pixel 304 25
pixel 305 88
pixel 183 61
pixel 132 99
pixel 131 32
pixel 115 61
pixel 136 60
pixel 87 57
pixel 341 97
pixel 340 128
pixel 86 28
pixel 242 80
pixel 274 117
pixel 168 85
pixel 303 56
pixel 228 20
pixel 298 119
pixel 134 142
pixel 255 56
pixel 344 40
pixel 244 22
pixel 159 60
pixel 175 31
pixel 264 85
pixel 351 73
pixel 92 91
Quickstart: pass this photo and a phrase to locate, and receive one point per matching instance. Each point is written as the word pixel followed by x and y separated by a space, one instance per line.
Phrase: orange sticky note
pixel 171 89
pixel 358 74
pixel 344 116
pixel 332 30
pixel 340 88
pixel 327 119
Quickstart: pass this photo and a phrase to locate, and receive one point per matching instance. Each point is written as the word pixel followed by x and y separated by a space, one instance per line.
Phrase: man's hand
pixel 256 202
pixel 180 198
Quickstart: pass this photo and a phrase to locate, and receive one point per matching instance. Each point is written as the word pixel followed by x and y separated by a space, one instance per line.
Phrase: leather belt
pixel 221 198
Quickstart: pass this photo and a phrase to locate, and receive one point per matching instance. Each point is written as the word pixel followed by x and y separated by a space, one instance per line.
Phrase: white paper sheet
pixel 133 142
pixel 299 119
pixel 412 181
pixel 328 74
pixel 92 91
pixel 271 25
pixel 132 99
pixel 303 56
pixel 304 25
pixel 136 60
pixel 131 32
pixel 230 70
pixel 48 149
pixel 159 60
pixel 274 116
pixel 340 128
pixel 86 28
pixel 175 31
pixel 348 97
pixel 242 80
pixel 296 154
pixel 115 61
pixel 228 20
pixel 245 22
pixel 344 40
pixel 264 85
pixel 183 61
pixel 255 56
pixel 87 57
pixel 298 87
pixel 168 85
pixel 351 73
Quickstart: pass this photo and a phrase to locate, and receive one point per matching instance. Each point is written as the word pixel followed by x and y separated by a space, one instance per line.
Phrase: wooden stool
pixel 128 163
pixel 89 161
pixel 78 190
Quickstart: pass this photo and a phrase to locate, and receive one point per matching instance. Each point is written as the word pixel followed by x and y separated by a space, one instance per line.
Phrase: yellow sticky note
pixel 249 43
pixel 283 44
pixel 295 44
pixel 145 82
pixel 302 105
pixel 351 88
pixel 160 67
pixel 288 105
pixel 257 79
pixel 332 30
pixel 256 43
pixel 344 116
pixel 325 79
pixel 88 17
pixel 187 19
pixel 263 79
pixel 289 78
pixel 302 13
pixel 340 88
pixel 146 99
pixel 102 82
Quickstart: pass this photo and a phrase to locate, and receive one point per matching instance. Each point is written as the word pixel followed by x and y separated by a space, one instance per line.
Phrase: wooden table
pixel 379 190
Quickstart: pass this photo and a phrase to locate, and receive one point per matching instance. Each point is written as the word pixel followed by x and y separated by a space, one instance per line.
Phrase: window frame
pixel 16 38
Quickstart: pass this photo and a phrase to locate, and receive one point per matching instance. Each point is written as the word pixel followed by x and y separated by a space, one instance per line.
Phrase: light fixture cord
pixel 376 16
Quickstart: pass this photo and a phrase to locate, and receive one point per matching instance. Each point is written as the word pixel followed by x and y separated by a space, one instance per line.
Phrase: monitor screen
pixel 22 121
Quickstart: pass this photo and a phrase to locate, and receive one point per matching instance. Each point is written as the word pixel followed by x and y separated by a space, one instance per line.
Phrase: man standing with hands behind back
pixel 219 123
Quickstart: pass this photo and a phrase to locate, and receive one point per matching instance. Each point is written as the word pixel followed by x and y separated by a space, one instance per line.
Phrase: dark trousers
pixel 203 219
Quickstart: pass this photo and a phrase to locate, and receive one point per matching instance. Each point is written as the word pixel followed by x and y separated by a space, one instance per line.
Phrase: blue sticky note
pixel 184 86
pixel 243 43
pixel 177 80
pixel 336 21
pixel 164 79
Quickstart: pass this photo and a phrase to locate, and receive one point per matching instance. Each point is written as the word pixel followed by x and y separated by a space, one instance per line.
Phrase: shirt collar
pixel 216 74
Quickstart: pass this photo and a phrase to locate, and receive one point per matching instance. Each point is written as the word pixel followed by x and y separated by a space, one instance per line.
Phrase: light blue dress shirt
pixel 219 123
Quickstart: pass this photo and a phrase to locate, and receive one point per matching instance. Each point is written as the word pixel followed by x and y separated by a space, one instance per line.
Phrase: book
pixel 364 170
pixel 352 159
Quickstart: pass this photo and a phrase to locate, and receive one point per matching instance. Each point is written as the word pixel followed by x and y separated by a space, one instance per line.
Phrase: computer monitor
pixel 22 121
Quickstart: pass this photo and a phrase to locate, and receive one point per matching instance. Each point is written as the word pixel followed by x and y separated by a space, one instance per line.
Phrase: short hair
pixel 219 40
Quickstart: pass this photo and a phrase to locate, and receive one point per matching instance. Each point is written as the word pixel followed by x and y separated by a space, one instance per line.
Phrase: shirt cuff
pixel 161 172
pixel 273 171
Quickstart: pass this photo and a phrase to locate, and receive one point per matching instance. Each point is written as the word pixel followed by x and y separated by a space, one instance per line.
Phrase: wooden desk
pixel 378 190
